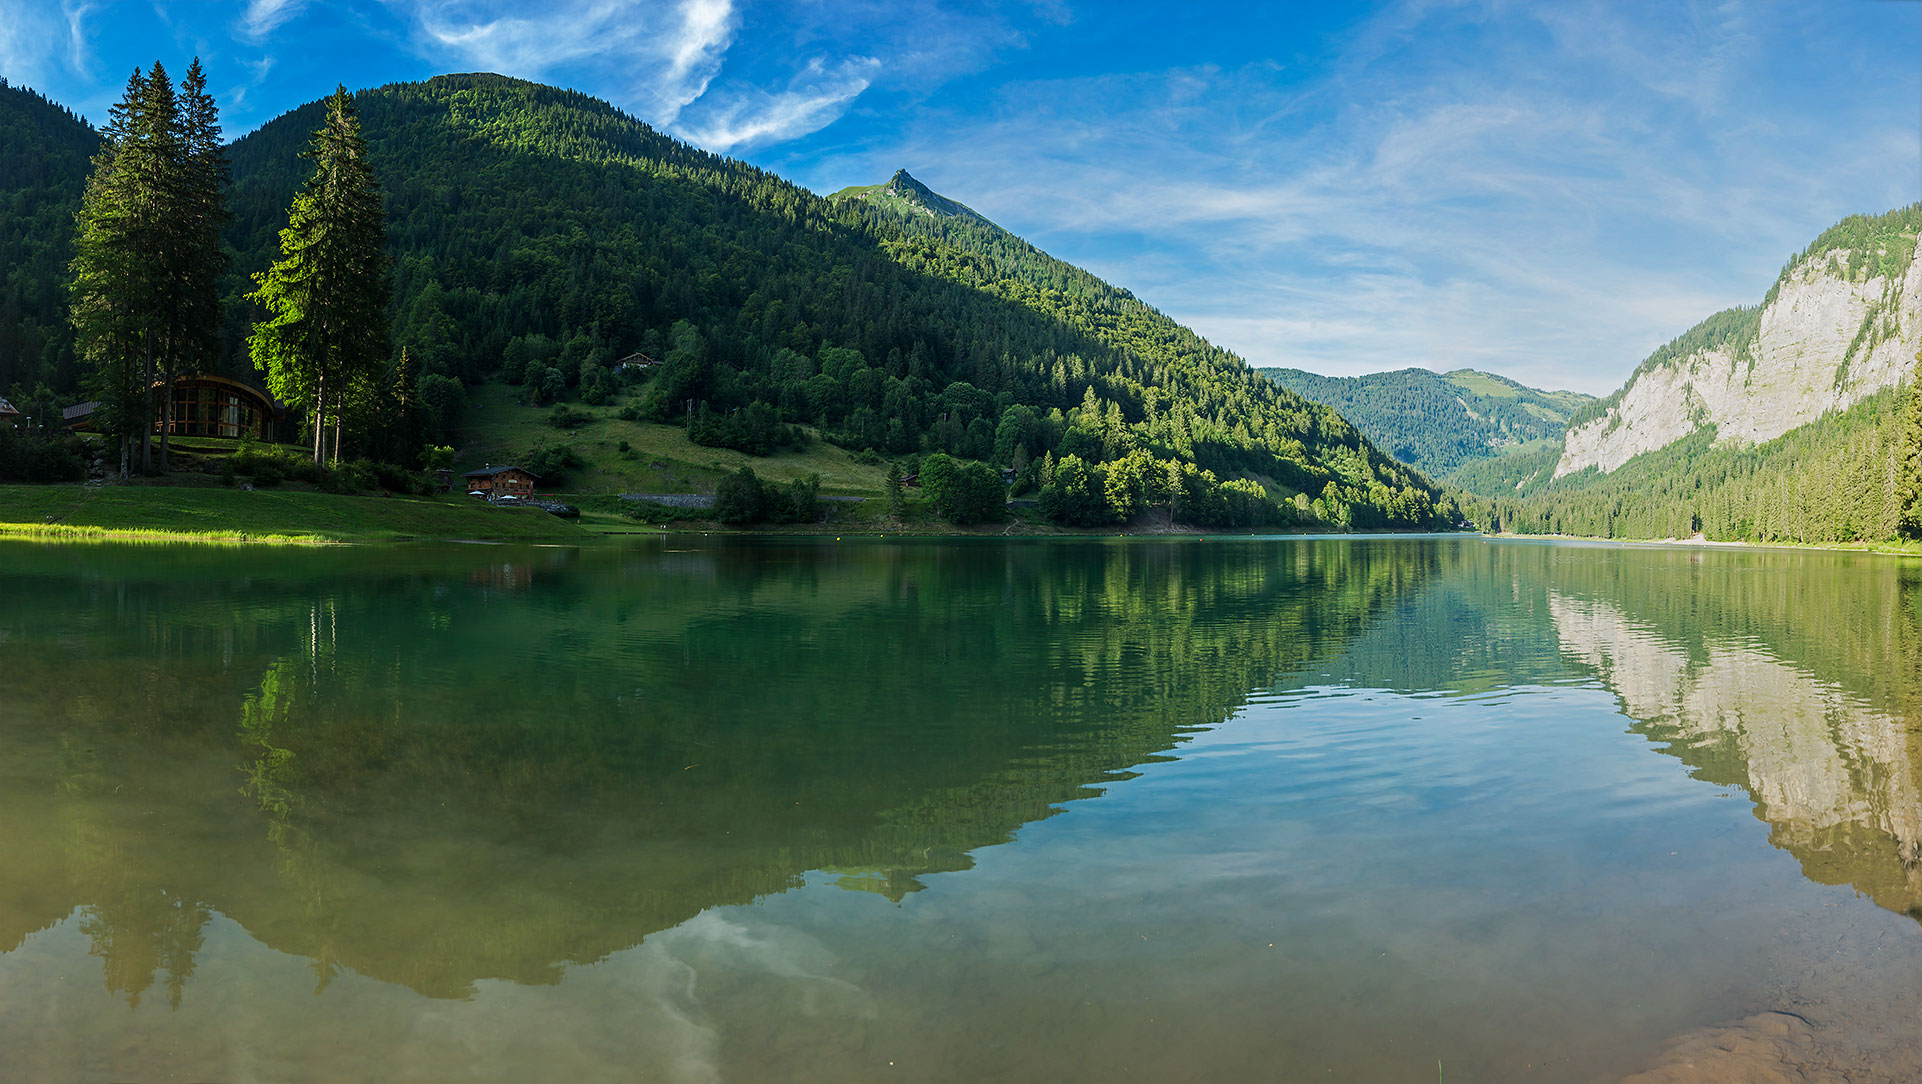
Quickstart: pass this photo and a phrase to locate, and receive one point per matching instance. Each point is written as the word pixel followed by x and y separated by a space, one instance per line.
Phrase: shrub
pixel 32 455
pixel 566 417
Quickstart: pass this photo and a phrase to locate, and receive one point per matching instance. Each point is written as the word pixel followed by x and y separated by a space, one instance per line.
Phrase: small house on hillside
pixel 633 363
pixel 501 481
pixel 8 414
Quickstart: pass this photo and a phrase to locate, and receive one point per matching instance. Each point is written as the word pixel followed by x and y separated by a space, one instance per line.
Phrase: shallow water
pixel 1063 811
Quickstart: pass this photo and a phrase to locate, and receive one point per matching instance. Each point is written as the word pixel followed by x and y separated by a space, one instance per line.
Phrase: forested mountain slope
pixel 44 155
pixel 1781 422
pixel 1439 422
pixel 1841 323
pixel 540 230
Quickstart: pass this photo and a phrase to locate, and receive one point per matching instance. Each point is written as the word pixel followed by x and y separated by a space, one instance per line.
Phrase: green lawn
pixel 497 430
pixel 222 514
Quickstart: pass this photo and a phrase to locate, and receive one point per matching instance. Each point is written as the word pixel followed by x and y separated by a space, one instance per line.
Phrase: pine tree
pixel 196 260
pixel 147 259
pixel 119 286
pixel 325 338
pixel 1909 465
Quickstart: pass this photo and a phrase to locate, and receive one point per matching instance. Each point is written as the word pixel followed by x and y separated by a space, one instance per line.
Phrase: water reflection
pixel 440 766
pixel 524 812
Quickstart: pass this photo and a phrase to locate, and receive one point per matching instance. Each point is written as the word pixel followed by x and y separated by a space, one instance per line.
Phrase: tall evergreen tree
pixel 119 285
pixel 325 338
pixel 195 258
pixel 147 255
pixel 1909 460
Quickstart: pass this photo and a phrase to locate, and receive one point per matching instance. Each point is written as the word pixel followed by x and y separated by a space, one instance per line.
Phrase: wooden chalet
pixel 9 414
pixel 203 406
pixel 501 481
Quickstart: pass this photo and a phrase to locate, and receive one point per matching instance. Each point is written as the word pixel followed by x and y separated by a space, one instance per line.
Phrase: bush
pixel 551 463
pixel 566 417
pixel 33 455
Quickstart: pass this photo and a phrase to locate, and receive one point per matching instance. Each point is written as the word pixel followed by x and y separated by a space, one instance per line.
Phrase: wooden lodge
pixel 203 406
pixel 9 414
pixel 501 481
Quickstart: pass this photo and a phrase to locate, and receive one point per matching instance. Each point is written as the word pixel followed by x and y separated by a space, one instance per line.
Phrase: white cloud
pixel 815 99
pixel 1551 212
pixel 263 17
pixel 654 58
pixel 25 33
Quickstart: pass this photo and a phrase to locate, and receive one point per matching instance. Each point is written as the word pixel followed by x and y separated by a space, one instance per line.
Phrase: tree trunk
pixel 146 413
pixel 126 453
pixel 166 427
pixel 320 417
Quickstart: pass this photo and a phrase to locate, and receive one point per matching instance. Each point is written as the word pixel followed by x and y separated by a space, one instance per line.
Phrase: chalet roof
pixel 489 472
pixel 7 408
pixel 635 359
pixel 78 410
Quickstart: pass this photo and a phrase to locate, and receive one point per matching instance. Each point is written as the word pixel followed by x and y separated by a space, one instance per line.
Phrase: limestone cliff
pixel 1842 322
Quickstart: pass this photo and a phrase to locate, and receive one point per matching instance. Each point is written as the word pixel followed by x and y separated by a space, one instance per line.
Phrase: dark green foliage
pixel 531 215
pixel 1833 480
pixel 742 497
pixel 441 401
pixel 550 464
pixel 1517 470
pixel 1438 422
pixel 963 492
pixel 44 160
pixel 40 455
pixel 566 417
pixel 324 336
pixel 1076 495
pixel 270 465
pixel 755 429
pixel 127 296
pixel 1908 465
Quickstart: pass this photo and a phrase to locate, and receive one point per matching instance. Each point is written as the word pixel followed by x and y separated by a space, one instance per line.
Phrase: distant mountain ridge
pixel 1841 323
pixel 1779 422
pixel 1440 422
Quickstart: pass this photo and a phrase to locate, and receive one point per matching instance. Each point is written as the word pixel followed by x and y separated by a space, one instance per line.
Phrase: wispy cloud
pixel 815 98
pixel 656 59
pixel 1589 187
pixel 263 17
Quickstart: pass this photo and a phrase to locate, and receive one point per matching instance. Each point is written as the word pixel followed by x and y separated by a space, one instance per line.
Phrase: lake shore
pixel 163 512
pixel 260 516
pixel 1894 549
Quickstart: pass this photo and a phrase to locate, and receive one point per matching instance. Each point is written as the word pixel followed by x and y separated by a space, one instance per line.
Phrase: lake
pixel 686 809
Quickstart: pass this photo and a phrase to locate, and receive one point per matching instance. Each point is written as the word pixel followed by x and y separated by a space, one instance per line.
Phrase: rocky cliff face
pixel 1833 332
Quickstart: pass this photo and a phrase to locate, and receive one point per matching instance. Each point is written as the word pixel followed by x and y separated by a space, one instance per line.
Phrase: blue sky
pixel 1547 190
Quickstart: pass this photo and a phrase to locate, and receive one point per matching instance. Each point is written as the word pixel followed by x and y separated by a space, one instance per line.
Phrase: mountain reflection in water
pixel 477 773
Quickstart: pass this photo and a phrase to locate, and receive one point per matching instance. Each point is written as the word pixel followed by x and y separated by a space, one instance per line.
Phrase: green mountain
pixel 1777 422
pixel 1440 422
pixel 904 197
pixel 541 234
pixel 44 159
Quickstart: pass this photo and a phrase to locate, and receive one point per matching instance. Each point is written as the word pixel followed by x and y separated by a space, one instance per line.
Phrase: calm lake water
pixel 698 810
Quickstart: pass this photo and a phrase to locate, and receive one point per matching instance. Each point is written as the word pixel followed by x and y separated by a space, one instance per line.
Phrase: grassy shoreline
pixel 1888 549
pixel 183 513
